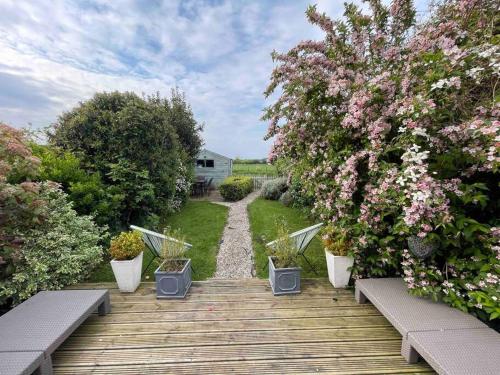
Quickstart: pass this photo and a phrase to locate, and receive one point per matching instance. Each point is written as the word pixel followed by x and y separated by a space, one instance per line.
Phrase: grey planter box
pixel 173 284
pixel 284 280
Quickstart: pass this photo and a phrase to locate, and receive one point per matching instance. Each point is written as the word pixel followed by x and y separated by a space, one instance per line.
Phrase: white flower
pixel 487 53
pixel 439 84
pixel 421 132
pixel 474 72
pixel 447 284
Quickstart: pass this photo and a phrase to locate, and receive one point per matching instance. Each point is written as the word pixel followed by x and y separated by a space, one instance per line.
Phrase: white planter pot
pixel 338 269
pixel 128 273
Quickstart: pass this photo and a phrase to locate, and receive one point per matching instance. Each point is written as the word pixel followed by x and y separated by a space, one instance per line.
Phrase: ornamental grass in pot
pixel 284 273
pixel 173 276
pixel 338 261
pixel 126 251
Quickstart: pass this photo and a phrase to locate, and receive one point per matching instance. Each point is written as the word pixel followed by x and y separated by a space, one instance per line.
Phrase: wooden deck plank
pixel 231 326
pixel 210 313
pixel 227 338
pixel 228 326
pixel 338 366
pixel 260 289
pixel 238 297
pixel 162 305
pixel 240 352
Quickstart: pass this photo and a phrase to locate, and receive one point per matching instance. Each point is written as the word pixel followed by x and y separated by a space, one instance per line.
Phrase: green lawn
pixel 255 170
pixel 202 224
pixel 263 215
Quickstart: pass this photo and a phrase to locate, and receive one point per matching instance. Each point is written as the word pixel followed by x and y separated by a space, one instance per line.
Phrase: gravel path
pixel 235 257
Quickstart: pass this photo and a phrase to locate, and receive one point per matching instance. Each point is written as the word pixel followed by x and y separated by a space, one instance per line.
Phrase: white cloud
pixel 57 53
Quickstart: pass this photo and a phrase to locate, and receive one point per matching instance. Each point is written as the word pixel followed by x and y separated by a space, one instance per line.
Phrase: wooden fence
pixel 259 180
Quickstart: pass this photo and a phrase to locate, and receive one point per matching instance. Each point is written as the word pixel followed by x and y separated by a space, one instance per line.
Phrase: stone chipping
pixel 235 257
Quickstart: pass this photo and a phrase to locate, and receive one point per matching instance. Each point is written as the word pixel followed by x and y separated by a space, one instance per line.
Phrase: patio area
pixel 235 326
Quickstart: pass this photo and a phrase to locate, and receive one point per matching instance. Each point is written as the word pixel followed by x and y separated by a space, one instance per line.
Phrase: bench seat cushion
pixel 459 352
pixel 45 320
pixel 16 363
pixel 408 313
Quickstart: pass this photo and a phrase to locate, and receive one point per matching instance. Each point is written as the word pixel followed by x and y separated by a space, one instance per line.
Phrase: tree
pixel 180 116
pixel 133 144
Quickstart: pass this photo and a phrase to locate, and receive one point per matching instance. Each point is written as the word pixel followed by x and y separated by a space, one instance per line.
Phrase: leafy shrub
pixel 142 147
pixel 90 196
pixel 396 136
pixel 126 245
pixel 273 189
pixel 57 165
pixel 180 116
pixel 234 188
pixel 44 244
pixel 20 206
pixel 287 198
pixel 283 250
pixel 137 188
pixel 302 197
pixel 60 250
pixel 336 240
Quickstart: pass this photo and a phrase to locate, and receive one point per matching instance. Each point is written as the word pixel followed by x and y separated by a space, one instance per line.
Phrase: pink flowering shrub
pixel 393 128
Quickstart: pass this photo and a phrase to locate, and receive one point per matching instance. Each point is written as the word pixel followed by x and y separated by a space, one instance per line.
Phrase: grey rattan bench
pixel 24 363
pixel 32 331
pixel 464 351
pixel 430 329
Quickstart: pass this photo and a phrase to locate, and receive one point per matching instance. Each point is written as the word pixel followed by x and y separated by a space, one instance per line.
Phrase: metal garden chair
pixel 302 239
pixel 154 242
pixel 206 187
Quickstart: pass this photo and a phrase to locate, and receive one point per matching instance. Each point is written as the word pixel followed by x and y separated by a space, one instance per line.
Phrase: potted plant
pixel 284 274
pixel 338 262
pixel 126 251
pixel 173 276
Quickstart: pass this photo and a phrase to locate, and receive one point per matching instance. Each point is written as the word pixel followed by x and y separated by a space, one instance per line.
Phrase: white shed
pixel 210 164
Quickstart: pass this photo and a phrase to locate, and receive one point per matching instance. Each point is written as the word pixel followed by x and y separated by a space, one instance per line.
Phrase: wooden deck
pixel 235 327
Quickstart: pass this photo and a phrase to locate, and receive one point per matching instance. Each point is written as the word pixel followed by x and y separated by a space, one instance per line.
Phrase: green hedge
pixel 235 188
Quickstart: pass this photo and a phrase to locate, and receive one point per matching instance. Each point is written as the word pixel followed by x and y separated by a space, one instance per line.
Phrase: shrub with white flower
pixel 393 128
pixel 182 188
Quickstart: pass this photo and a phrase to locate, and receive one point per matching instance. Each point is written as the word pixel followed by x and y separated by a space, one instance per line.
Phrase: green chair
pixel 302 239
pixel 154 242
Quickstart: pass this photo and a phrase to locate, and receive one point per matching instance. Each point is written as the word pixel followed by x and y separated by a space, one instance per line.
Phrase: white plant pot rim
pixel 127 260
pixel 338 256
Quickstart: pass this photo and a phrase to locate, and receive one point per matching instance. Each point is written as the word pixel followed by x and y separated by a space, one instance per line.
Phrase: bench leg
pixel 45 368
pixel 105 307
pixel 408 352
pixel 360 297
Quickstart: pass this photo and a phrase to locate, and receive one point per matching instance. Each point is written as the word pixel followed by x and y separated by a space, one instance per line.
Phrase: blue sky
pixel 57 53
